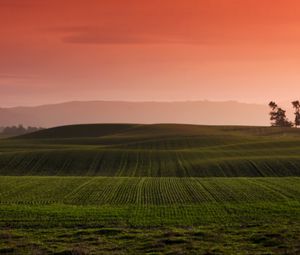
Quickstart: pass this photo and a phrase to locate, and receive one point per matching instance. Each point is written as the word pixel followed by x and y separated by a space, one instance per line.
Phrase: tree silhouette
pixel 18 130
pixel 273 113
pixel 296 106
pixel 278 116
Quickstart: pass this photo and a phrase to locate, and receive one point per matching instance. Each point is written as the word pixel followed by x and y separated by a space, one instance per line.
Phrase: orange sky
pixel 61 50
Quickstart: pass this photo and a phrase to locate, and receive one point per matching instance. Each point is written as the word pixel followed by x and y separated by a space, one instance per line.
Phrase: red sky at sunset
pixel 134 50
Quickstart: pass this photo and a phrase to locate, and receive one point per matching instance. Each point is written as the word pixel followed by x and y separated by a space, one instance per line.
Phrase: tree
pixel 296 106
pixel 278 116
pixel 19 130
pixel 273 105
pixel 273 113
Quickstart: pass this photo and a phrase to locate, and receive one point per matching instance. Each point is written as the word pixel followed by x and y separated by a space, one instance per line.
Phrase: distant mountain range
pixel 191 112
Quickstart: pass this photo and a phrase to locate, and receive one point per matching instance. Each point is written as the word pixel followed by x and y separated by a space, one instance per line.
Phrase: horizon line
pixel 134 101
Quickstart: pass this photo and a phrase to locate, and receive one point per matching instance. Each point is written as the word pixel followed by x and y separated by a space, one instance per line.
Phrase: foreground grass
pixel 120 215
pixel 251 238
pixel 272 228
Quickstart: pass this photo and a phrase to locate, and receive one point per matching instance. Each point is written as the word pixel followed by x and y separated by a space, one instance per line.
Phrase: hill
pixel 118 185
pixel 75 131
pixel 194 112
pixel 153 150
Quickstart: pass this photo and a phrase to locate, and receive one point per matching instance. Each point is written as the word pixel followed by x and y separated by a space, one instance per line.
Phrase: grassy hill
pixel 135 189
pixel 169 150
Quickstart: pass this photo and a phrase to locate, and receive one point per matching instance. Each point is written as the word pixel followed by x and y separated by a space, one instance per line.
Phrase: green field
pixel 155 189
pixel 154 151
pixel 118 215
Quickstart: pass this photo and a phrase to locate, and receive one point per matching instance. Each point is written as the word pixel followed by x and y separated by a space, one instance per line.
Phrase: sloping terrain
pixel 135 189
pixel 153 150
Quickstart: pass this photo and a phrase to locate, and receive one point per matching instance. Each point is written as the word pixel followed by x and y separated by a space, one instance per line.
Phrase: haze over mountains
pixel 190 112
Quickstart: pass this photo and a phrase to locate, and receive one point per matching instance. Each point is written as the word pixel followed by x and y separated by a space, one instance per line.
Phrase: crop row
pixel 147 163
pixel 146 190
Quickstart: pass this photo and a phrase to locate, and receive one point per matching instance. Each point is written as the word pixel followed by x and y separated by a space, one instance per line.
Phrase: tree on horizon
pixel 296 106
pixel 278 116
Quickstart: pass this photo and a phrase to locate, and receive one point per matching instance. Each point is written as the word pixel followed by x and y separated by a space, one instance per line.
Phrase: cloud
pixel 124 35
pixel 99 38
pixel 113 35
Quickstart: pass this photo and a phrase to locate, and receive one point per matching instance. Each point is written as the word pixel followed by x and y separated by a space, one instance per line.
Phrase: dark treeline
pixel 18 130
pixel 278 115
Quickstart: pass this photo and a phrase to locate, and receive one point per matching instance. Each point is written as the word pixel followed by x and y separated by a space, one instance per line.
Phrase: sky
pixel 140 50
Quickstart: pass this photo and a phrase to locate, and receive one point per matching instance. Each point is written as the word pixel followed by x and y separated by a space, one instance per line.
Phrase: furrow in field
pixel 149 191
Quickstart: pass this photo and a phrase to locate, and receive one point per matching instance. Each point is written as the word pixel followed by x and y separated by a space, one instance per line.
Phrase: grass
pixel 212 239
pixel 146 191
pixel 129 215
pixel 147 201
pixel 151 189
pixel 165 150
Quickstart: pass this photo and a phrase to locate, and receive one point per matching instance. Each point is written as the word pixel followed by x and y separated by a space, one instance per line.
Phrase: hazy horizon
pixel 185 112
pixel 133 101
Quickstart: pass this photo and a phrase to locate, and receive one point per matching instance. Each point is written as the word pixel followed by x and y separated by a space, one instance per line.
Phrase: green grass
pixel 165 150
pixel 121 215
pixel 146 201
pixel 151 189
pixel 212 239
pixel 146 191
